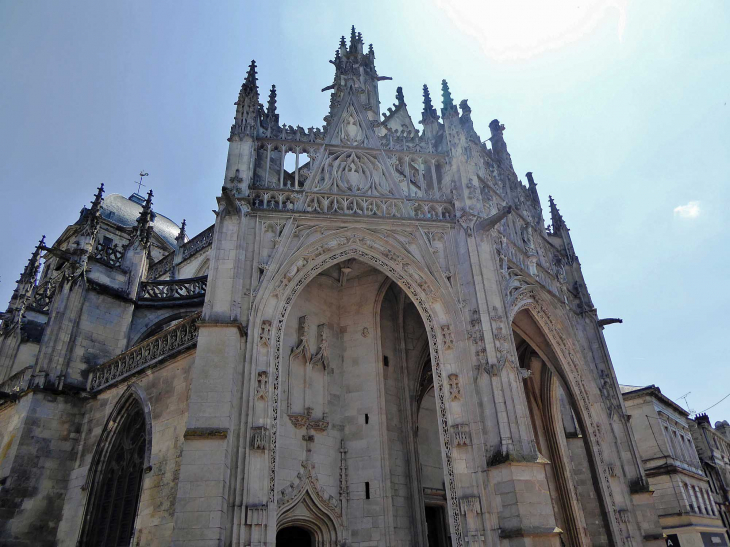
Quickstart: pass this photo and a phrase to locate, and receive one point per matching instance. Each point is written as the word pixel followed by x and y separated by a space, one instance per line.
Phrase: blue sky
pixel 619 107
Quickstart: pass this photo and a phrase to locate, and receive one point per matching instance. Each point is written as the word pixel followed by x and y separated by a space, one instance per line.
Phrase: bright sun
pixel 519 29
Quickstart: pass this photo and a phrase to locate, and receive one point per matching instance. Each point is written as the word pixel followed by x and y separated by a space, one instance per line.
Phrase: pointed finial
pixel 371 50
pixel 251 74
pixel 353 39
pixel 446 95
pixel 555 216
pixel 148 202
pixel 399 96
pixel 181 235
pixel 271 107
pixel 96 204
pixel 532 187
pixel 343 42
pixel 428 110
pixel 144 228
pixel 31 269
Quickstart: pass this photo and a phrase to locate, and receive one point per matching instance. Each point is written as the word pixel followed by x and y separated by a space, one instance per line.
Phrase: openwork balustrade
pixel 43 295
pixel 172 341
pixel 111 255
pixel 173 289
pixel 352 205
pixel 17 383
pixel 198 243
pixel 201 241
pixel 162 266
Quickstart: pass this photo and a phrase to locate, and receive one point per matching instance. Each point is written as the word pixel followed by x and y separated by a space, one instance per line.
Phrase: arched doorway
pixel 294 536
pixel 577 498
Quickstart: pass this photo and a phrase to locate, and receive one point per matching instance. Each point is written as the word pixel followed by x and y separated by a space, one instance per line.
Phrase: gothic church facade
pixel 378 343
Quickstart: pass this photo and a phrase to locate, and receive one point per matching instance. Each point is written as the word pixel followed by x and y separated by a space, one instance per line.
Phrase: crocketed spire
pixel 429 112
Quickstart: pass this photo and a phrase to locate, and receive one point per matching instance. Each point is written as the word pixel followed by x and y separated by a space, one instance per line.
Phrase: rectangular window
pixel 367 490
pixel 688 495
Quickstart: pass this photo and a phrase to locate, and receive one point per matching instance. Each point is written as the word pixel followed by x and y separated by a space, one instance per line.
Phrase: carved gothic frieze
pixel 259 438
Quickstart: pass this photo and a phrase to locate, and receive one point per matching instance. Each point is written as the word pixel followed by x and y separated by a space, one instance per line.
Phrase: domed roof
pixel 125 211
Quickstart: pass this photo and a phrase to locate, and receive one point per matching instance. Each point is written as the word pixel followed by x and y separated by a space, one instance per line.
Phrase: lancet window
pixel 117 482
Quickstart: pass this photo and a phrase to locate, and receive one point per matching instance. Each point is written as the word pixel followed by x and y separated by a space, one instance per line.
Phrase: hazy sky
pixel 619 108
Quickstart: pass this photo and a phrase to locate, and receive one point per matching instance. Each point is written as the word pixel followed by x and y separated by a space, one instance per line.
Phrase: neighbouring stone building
pixel 378 342
pixel 713 448
pixel 683 494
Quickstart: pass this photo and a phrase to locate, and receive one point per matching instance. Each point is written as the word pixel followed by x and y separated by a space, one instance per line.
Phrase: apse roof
pixel 124 211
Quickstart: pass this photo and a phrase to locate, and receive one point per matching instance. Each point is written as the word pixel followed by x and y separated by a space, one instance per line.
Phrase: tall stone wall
pixel 166 390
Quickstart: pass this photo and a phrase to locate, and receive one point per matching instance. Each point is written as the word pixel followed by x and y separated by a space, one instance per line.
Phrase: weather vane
pixel 139 184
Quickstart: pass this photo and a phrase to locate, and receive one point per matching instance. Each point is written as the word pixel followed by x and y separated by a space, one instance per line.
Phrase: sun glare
pixel 519 29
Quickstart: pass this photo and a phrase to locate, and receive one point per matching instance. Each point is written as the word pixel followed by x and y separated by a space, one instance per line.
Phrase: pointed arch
pixel 308 506
pixel 433 303
pixel 114 481
pixel 559 352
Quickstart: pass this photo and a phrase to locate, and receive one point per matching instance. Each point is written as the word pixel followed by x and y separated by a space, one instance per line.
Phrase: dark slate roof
pixel 116 208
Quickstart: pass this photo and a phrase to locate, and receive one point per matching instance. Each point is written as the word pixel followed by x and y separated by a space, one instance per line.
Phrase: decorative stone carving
pixel 454 388
pixel 256 515
pixel 259 438
pixel 299 421
pixel 384 260
pixel 447 336
pixel 470 504
pixel 262 385
pixel 307 481
pixel 351 172
pixel 351 130
pixel 265 333
pixel 461 434
pixel 365 332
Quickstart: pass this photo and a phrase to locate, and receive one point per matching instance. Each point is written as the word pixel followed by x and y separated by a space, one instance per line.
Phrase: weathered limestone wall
pixel 101 334
pixel 319 302
pixel 368 518
pixel 167 392
pixel 39 439
pixel 397 425
pixel 589 501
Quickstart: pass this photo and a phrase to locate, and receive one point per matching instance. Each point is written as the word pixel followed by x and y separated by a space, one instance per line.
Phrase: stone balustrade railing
pixel 173 289
pixel 198 243
pixel 111 255
pixel 17 383
pixel 344 204
pixel 43 295
pixel 201 241
pixel 159 348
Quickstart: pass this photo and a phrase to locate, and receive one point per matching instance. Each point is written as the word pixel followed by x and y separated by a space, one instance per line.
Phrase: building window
pixel 700 501
pixel 688 495
pixel 114 495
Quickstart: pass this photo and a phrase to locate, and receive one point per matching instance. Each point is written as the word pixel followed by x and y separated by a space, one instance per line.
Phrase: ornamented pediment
pixel 353 172
pixel 351 130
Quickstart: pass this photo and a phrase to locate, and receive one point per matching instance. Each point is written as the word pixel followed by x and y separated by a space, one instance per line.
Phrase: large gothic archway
pixel 549 335
pixel 272 306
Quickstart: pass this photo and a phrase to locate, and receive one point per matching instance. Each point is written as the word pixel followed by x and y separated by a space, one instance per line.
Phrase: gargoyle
pixel 488 223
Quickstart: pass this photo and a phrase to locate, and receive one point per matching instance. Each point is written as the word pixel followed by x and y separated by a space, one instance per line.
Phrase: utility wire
pixel 717 403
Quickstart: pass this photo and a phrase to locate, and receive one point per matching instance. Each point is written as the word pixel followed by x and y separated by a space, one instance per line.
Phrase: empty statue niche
pixel 307 390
